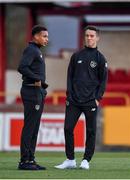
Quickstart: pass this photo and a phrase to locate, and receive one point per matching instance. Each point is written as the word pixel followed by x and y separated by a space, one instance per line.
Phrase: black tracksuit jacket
pixel 32 65
pixel 87 77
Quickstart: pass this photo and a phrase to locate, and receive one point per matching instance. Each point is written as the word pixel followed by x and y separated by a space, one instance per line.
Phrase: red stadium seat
pixel 128 76
pixel 120 75
pixel 18 100
pixel 110 76
pixel 49 100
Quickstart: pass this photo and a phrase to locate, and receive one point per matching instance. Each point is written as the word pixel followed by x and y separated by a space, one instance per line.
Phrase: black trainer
pixel 27 166
pixel 37 165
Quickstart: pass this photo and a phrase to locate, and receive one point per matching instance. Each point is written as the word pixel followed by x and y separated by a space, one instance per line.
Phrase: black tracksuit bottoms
pixel 33 108
pixel 72 115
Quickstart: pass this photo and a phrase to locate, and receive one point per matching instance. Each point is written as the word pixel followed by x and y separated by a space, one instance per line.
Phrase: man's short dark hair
pixel 94 28
pixel 38 28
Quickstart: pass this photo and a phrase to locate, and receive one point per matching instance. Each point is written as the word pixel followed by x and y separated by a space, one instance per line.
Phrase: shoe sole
pixel 29 169
pixel 66 167
pixel 84 168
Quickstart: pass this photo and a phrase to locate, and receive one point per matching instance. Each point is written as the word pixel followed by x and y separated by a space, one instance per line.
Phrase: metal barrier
pixel 126 97
pixel 118 94
pixel 57 94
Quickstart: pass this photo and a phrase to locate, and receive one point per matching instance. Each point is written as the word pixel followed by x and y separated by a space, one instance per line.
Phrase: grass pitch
pixel 103 166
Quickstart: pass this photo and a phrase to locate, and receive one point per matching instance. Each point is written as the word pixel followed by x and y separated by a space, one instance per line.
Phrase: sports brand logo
pixel 93 109
pixel 79 61
pixel 106 65
pixel 67 103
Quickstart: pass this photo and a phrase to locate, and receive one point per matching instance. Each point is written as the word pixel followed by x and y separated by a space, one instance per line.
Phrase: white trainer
pixel 84 164
pixel 67 164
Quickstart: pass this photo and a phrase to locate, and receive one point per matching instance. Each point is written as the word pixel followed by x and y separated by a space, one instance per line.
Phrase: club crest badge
pixel 37 107
pixel 93 64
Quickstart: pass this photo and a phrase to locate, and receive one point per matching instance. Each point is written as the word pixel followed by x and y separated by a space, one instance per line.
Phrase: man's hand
pixel 44 85
pixel 38 83
pixel 97 102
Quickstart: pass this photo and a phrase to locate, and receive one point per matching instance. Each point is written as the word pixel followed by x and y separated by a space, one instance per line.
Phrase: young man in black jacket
pixel 33 92
pixel 86 82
